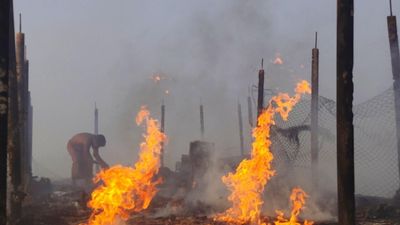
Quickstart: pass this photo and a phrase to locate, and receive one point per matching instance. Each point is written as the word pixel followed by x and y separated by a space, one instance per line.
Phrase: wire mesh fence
pixel 376 157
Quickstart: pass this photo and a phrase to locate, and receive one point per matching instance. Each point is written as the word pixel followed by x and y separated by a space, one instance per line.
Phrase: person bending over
pixel 82 162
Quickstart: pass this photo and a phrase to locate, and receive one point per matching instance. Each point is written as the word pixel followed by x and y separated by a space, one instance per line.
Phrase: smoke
pixel 209 58
pixel 209 51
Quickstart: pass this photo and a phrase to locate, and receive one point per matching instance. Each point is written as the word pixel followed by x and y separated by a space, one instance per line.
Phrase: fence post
pixel 395 56
pixel 314 114
pixel 344 122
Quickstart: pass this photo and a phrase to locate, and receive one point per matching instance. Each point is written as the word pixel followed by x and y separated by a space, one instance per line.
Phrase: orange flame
pixel 129 189
pixel 298 198
pixel 156 78
pixel 278 60
pixel 248 182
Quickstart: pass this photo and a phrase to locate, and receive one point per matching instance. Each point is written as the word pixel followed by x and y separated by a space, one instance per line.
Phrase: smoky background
pixel 207 52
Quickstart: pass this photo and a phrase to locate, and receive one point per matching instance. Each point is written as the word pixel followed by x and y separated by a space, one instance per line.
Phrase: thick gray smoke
pixel 103 51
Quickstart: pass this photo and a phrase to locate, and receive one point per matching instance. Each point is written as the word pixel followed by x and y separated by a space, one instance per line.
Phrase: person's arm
pixel 98 159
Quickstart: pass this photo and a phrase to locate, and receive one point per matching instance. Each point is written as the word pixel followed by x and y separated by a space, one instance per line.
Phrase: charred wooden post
pixel 260 100
pixel 240 129
pixel 96 131
pixel 96 119
pixel 202 121
pixel 13 139
pixel 162 130
pixel 22 92
pixel 250 111
pixel 344 123
pixel 5 36
pixel 18 127
pixel 27 172
pixel 20 64
pixel 30 133
pixel 395 55
pixel 314 114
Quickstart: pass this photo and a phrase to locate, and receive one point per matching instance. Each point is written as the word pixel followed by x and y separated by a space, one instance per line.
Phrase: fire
pixel 156 78
pixel 124 190
pixel 298 198
pixel 278 60
pixel 248 182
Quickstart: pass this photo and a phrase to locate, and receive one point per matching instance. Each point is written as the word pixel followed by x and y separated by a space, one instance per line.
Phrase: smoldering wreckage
pixel 202 189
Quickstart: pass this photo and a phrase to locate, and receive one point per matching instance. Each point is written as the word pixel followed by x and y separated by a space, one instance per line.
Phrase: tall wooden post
pixel 344 123
pixel 25 126
pixel 250 111
pixel 240 129
pixel 19 151
pixel 96 119
pixel 5 36
pixel 96 131
pixel 30 133
pixel 395 55
pixel 314 114
pixel 260 99
pixel 202 121
pixel 162 130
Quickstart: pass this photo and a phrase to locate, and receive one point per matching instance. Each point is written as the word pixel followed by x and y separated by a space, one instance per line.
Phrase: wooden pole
pixel 395 55
pixel 202 121
pixel 96 131
pixel 96 119
pixel 26 153
pixel 19 138
pixel 260 99
pixel 240 129
pixel 344 123
pixel 162 130
pixel 314 114
pixel 250 111
pixel 30 133
pixel 5 11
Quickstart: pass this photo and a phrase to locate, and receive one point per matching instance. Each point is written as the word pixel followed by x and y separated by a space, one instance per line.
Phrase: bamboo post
pixel 96 131
pixel 5 36
pixel 314 114
pixel 344 123
pixel 260 99
pixel 162 130
pixel 202 121
pixel 20 65
pixel 250 111
pixel 395 58
pixel 240 129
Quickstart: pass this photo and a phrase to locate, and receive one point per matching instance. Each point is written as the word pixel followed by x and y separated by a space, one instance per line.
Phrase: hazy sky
pixel 86 51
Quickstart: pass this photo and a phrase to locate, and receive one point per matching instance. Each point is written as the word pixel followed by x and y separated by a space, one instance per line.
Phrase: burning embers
pixel 129 189
pixel 248 182
pixel 298 198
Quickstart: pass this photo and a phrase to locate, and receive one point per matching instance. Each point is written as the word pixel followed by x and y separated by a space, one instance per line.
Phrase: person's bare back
pixel 82 162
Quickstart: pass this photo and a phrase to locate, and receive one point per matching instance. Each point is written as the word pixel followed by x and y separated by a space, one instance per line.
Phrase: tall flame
pixel 298 198
pixel 248 182
pixel 129 189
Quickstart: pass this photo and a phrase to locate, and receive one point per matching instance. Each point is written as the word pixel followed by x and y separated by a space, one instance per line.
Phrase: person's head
pixel 99 140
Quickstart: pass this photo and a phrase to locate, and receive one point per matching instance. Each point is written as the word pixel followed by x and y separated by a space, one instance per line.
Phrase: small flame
pixel 129 189
pixel 167 92
pixel 278 59
pixel 298 198
pixel 248 182
pixel 158 77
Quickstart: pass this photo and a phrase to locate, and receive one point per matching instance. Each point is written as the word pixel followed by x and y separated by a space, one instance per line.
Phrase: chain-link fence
pixel 376 158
